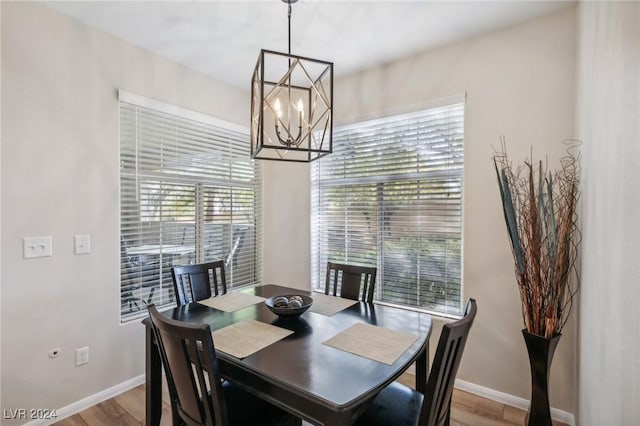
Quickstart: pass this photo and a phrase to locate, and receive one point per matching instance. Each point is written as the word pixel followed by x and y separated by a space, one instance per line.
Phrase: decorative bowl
pixel 289 305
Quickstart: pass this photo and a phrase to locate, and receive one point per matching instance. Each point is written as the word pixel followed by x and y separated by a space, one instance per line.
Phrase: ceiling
pixel 222 39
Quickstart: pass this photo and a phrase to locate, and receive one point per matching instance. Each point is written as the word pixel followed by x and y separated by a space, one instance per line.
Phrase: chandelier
pixel 291 106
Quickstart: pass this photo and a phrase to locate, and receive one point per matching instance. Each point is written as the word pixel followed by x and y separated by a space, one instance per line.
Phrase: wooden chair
pixel 356 282
pixel 195 282
pixel 399 405
pixel 198 395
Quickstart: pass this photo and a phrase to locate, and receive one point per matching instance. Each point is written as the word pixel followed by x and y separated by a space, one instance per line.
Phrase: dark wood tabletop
pixel 316 382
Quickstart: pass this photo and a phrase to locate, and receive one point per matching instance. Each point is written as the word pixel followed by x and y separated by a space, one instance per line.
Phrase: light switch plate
pixel 37 247
pixel 82 244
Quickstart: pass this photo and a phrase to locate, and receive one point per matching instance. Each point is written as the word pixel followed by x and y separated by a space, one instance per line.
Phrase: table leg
pixel 422 369
pixel 153 380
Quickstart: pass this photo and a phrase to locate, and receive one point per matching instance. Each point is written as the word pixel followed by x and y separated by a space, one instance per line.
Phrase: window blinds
pixel 189 194
pixel 390 196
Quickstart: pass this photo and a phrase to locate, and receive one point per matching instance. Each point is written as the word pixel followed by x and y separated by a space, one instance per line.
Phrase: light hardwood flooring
pixel 128 409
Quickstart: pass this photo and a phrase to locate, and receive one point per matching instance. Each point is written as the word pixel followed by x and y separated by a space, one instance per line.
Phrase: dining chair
pixel 239 236
pixel 198 395
pixel 196 282
pixel 157 281
pixel 139 274
pixel 400 405
pixel 356 282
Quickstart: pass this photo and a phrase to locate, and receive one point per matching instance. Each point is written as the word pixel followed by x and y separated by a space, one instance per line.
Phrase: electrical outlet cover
pixel 82 244
pixel 82 356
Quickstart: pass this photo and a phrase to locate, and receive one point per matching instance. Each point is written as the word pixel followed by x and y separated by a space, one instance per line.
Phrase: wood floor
pixel 128 409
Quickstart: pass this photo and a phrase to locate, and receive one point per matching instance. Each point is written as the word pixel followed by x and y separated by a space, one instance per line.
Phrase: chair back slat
pixel 355 282
pixel 219 279
pixel 437 402
pixel 185 350
pixel 197 282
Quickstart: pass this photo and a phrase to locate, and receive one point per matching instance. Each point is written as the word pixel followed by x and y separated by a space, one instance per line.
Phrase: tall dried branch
pixel 540 211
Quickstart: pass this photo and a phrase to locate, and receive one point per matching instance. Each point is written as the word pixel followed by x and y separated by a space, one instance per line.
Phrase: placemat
pixel 329 305
pixel 231 302
pixel 373 342
pixel 247 337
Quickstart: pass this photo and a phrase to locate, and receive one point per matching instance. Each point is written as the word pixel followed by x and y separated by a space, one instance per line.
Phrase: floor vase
pixel 540 351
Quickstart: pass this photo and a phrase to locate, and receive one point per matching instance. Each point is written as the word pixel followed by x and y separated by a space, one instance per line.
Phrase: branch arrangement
pixel 540 213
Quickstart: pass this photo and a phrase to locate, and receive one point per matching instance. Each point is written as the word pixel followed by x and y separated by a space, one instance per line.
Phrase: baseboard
pixel 514 401
pixel 91 400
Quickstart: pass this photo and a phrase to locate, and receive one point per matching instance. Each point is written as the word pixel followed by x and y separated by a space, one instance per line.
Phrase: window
pixel 189 193
pixel 390 196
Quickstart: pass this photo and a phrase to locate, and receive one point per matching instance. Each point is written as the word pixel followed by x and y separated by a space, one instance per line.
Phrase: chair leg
pixel 129 300
pixel 133 302
pixel 153 289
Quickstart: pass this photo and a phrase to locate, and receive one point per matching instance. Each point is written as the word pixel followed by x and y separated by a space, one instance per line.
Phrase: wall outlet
pixel 82 356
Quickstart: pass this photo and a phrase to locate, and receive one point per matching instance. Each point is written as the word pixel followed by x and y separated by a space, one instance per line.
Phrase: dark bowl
pixel 285 311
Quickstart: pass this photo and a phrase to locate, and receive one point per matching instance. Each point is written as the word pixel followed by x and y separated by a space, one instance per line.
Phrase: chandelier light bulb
pixel 276 106
pixel 300 112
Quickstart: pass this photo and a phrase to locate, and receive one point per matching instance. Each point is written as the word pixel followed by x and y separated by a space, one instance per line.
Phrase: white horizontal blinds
pixel 391 196
pixel 229 231
pixel 188 193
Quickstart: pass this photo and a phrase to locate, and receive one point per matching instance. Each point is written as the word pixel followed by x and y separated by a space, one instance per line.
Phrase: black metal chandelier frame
pixel 312 139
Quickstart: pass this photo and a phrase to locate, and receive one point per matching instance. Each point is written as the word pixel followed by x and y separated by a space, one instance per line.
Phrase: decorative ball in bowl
pixel 289 305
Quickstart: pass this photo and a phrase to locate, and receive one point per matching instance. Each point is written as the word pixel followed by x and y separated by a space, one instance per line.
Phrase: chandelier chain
pixel 289 18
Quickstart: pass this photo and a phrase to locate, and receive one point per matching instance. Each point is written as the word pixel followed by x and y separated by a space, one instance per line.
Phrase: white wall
pixel 609 125
pixel 519 83
pixel 286 217
pixel 60 176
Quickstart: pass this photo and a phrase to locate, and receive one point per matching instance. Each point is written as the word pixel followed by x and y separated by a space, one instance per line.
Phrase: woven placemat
pixel 373 342
pixel 231 302
pixel 329 305
pixel 247 337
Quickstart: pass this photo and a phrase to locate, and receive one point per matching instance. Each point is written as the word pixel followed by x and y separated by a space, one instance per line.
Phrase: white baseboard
pixel 91 400
pixel 511 400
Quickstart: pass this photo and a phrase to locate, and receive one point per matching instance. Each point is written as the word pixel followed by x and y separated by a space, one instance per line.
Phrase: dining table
pixel 304 373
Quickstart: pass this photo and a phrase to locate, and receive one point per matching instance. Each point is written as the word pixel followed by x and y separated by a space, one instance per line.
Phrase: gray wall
pixel 519 83
pixel 60 177
pixel 609 124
